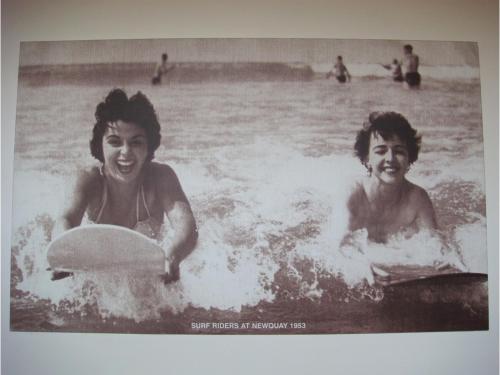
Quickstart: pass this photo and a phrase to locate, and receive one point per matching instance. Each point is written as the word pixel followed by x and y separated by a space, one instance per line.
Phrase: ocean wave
pixel 289 251
pixel 195 72
pixel 375 71
pixel 183 72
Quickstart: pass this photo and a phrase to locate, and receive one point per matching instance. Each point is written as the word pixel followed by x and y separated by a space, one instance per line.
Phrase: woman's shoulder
pixel 417 194
pixel 89 173
pixel 161 171
pixel 164 182
pixel 356 186
pixel 88 178
pixel 162 176
pixel 421 204
pixel 356 194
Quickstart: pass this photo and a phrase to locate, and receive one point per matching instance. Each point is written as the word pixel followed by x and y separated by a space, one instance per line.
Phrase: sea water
pixel 266 166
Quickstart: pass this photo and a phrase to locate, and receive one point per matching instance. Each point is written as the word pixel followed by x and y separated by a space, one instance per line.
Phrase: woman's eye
pixel 114 143
pixel 136 143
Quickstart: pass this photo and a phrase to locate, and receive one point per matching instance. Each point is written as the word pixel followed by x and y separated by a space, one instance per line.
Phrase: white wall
pixel 429 353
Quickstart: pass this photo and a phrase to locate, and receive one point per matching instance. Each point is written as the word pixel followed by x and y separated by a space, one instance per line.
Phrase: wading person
pixel 395 69
pixel 410 67
pixel 161 70
pixel 340 71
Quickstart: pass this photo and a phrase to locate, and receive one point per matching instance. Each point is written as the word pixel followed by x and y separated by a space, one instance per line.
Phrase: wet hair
pixel 339 57
pixel 387 125
pixel 137 110
pixel 408 47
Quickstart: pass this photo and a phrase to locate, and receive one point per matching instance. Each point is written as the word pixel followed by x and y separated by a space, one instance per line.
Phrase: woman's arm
pixel 426 219
pixel 75 204
pixel 74 208
pixel 350 220
pixel 180 216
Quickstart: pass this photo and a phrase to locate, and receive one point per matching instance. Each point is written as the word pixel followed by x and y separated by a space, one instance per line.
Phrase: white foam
pixel 262 205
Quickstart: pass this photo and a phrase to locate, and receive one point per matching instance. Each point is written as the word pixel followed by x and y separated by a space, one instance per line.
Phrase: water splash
pixel 266 188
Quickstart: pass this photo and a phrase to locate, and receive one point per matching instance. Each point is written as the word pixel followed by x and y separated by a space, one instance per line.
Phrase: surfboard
pixel 102 247
pixel 427 299
pixel 405 275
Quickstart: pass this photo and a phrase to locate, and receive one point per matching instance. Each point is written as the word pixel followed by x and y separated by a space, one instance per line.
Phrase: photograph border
pixel 30 20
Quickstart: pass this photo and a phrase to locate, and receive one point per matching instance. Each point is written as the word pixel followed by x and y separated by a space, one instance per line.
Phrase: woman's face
pixel 388 158
pixel 125 150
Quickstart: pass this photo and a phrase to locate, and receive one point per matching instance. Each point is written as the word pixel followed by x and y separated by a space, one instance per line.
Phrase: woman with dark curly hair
pixel 129 189
pixel 385 202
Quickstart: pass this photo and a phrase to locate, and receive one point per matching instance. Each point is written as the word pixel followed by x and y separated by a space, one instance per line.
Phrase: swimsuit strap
pixel 137 209
pixel 141 193
pixel 103 202
pixel 144 201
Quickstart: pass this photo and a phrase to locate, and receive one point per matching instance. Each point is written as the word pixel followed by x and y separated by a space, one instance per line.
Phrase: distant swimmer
pixel 161 69
pixel 396 71
pixel 410 67
pixel 341 72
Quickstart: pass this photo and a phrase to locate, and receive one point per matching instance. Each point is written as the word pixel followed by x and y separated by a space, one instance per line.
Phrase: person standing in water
pixel 385 203
pixel 396 71
pixel 128 188
pixel 161 69
pixel 341 72
pixel 410 67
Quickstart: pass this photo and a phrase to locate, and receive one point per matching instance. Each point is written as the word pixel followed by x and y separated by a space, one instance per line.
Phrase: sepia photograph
pixel 248 186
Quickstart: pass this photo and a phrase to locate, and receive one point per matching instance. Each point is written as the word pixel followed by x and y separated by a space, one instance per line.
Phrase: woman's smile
pixel 125 150
pixel 388 158
pixel 391 169
pixel 125 166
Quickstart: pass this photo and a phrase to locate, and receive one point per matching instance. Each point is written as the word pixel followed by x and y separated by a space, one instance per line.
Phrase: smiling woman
pixel 124 149
pixel 385 202
pixel 128 189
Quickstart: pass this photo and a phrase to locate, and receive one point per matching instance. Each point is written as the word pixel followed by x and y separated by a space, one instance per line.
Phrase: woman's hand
pixel 58 275
pixel 172 272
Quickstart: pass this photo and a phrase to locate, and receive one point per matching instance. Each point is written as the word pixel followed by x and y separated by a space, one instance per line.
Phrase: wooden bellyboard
pixel 103 247
pixel 406 275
